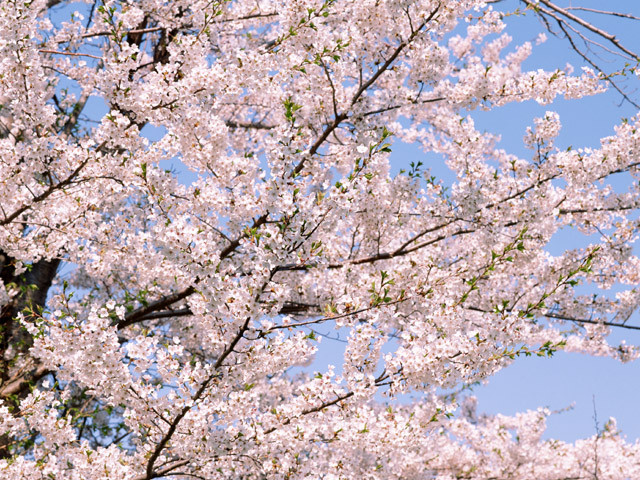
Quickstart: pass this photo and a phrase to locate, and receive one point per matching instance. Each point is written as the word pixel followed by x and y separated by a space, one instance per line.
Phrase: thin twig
pixel 70 54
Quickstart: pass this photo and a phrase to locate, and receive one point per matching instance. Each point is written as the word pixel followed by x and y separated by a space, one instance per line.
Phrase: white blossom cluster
pixel 176 340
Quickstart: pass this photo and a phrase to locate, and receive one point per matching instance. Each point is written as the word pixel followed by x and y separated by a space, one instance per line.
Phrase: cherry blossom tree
pixel 156 325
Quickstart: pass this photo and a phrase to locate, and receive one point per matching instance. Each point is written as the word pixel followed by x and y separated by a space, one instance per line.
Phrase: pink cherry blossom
pixel 165 324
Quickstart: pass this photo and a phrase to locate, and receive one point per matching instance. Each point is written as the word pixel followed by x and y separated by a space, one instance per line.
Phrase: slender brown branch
pixel 75 113
pixel 338 119
pixel 183 312
pixel 604 12
pixel 334 317
pixel 164 471
pixel 143 312
pixel 44 194
pixel 203 387
pixel 18 384
pixel 395 107
pixel 129 32
pixel 589 321
pixel 70 54
pixel 248 126
pixel 339 398
pixel 587 59
pixel 589 26
pixel 557 316
pixel 560 15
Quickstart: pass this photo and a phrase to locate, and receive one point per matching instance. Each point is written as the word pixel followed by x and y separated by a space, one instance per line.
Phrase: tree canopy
pixel 164 325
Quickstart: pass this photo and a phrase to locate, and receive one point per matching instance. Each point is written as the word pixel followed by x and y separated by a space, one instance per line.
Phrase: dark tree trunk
pixel 18 371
